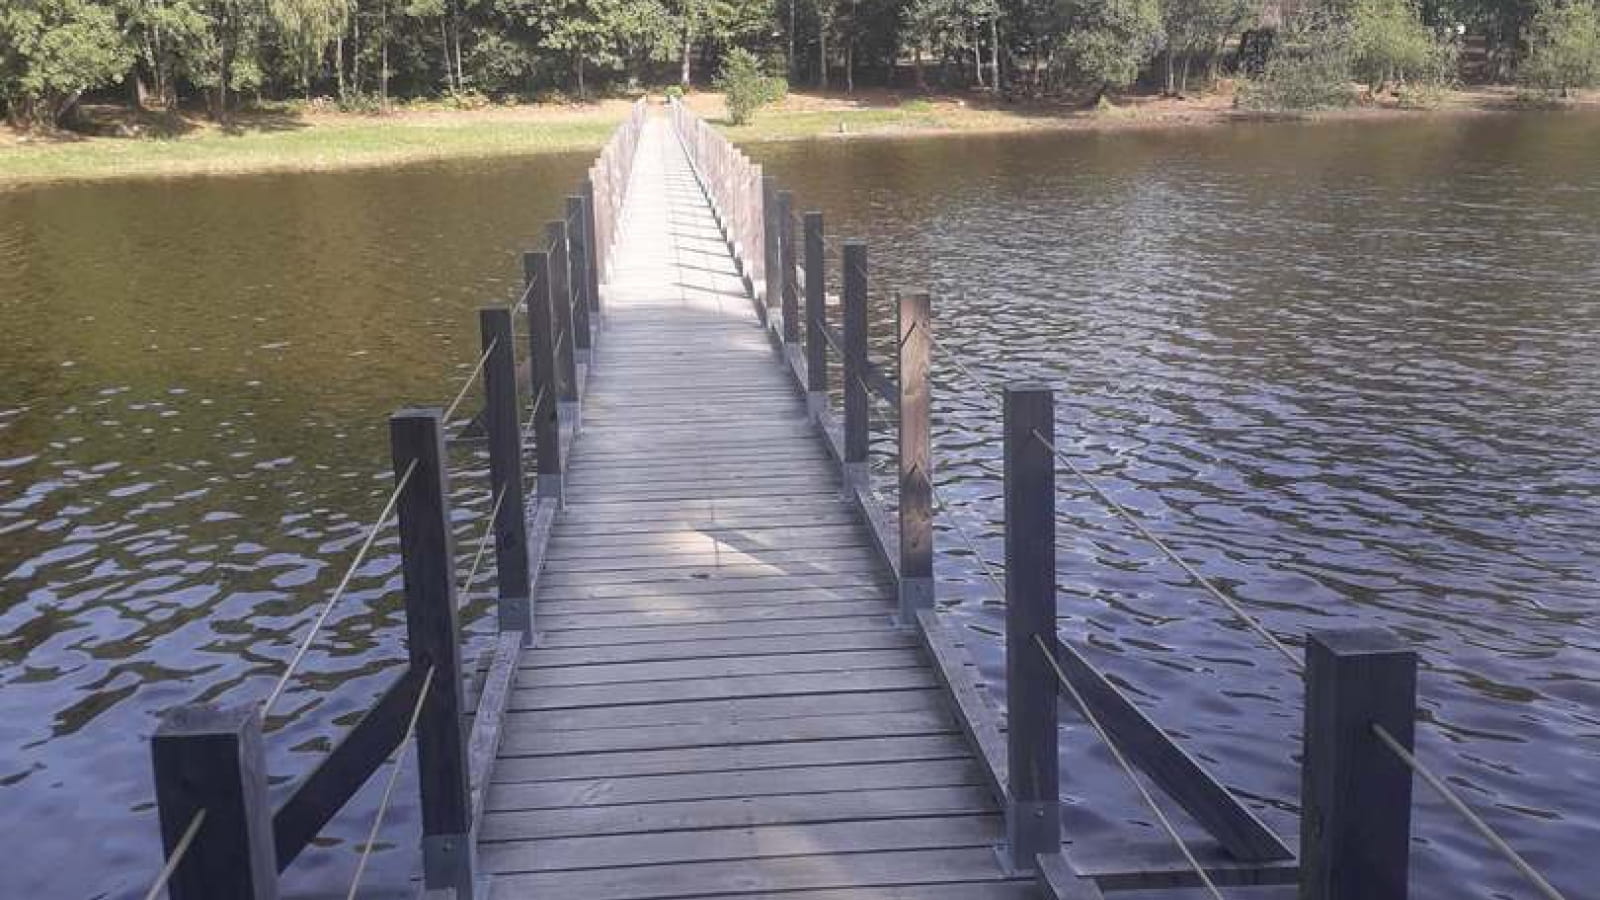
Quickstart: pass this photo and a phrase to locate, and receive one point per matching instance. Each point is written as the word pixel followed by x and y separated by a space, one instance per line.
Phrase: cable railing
pixel 1360 684
pixel 222 834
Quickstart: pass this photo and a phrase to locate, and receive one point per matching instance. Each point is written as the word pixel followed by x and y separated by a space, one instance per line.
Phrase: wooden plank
pixel 1057 881
pixel 851 870
pixel 733 785
pixel 805 608
pixel 690 585
pixel 724 560
pixel 526 741
pixel 737 812
pixel 1145 865
pixel 717 648
pixel 654 692
pixel 489 719
pixel 671 670
pixel 1183 779
pixel 970 702
pixel 747 709
pixel 714 576
pixel 339 775
pixel 989 890
pixel 741 843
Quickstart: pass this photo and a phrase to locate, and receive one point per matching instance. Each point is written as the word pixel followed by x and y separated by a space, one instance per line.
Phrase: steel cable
pixel 338 592
pixel 462 394
pixel 176 856
pixel 399 757
pixel 483 541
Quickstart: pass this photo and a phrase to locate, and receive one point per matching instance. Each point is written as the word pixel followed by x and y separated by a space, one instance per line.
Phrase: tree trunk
pixel 793 75
pixel 977 61
pixel 850 67
pixel 994 51
pixel 449 70
pixel 822 54
pixel 383 57
pixel 355 50
pixel 338 67
pixel 583 93
pixel 455 32
pixel 1183 73
pixel 688 49
pixel 916 61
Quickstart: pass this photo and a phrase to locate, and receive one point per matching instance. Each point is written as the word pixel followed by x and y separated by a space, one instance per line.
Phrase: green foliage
pixel 746 86
pixel 674 92
pixel 1389 43
pixel 1563 46
pixel 1109 41
pixel 52 51
pixel 1310 68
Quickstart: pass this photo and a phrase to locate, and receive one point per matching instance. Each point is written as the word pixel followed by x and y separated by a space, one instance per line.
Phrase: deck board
pixel 719 704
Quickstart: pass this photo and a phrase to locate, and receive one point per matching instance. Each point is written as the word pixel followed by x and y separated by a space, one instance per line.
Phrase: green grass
pixel 777 126
pixel 287 143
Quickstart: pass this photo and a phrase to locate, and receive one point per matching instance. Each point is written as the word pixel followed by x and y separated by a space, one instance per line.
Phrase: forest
pixel 366 54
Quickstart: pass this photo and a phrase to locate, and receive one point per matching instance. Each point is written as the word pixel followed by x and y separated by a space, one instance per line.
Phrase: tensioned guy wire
pixel 178 851
pixel 1094 723
pixel 1251 621
pixel 388 788
pixel 1544 887
pixel 483 541
pixel 462 394
pixel 338 592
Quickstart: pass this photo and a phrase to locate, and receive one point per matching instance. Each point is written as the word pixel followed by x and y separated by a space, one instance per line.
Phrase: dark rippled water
pixel 1351 372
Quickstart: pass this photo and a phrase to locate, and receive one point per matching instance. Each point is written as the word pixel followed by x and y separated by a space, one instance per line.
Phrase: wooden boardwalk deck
pixel 720 704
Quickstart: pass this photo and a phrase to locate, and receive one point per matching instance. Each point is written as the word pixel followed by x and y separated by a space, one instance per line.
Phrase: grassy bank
pixel 266 141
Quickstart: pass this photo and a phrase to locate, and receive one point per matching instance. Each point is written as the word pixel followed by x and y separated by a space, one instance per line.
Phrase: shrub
pixel 674 92
pixel 746 86
pixel 1389 43
pixel 1309 68
pixel 1563 46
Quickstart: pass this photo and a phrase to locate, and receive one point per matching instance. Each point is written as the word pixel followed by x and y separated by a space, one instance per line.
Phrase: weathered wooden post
pixel 1355 793
pixel 209 762
pixel 816 318
pixel 592 242
pixel 504 426
pixel 916 456
pixel 581 262
pixel 855 364
pixel 562 305
pixel 1033 815
pixel 544 384
pixel 786 276
pixel 433 639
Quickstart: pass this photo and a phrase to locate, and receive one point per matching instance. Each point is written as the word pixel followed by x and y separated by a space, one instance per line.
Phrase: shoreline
pixel 282 141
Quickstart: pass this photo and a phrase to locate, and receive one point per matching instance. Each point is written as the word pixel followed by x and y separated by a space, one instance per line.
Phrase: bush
pixel 1563 46
pixel 674 92
pixel 1389 43
pixel 746 86
pixel 1309 68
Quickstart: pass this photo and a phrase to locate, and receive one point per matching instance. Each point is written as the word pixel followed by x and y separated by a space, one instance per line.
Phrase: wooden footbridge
pixel 718 671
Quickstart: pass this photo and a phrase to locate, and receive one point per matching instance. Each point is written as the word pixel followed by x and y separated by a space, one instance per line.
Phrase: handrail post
pixel 915 456
pixel 561 303
pixel 209 761
pixel 544 387
pixel 433 639
pixel 582 261
pixel 504 426
pixel 855 364
pixel 1355 793
pixel 1033 811
pixel 786 264
pixel 816 318
pixel 592 241
pixel 771 277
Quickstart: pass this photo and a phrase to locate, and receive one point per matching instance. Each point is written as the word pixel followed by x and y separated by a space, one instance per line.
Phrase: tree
pixel 1563 46
pixel 1389 43
pixel 307 27
pixel 1108 41
pixel 52 52
pixel 746 86
pixel 1191 26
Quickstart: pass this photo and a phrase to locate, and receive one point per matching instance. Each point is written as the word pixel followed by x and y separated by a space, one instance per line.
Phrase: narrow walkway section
pixel 719 705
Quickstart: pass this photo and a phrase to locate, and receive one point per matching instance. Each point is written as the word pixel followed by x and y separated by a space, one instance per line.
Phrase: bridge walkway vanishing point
pixel 720 703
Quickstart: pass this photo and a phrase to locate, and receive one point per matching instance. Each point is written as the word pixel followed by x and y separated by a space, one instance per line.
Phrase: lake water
pixel 1350 371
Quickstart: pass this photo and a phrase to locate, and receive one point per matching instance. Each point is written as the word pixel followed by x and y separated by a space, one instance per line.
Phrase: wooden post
pixel 1033 816
pixel 561 304
pixel 544 387
pixel 1355 793
pixel 433 638
pixel 855 364
pixel 816 317
pixel 591 241
pixel 786 264
pixel 916 456
pixel 583 333
pixel 211 758
pixel 504 426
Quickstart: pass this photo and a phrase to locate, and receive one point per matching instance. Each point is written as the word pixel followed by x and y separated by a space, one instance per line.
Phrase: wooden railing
pixel 222 836
pixel 1360 684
